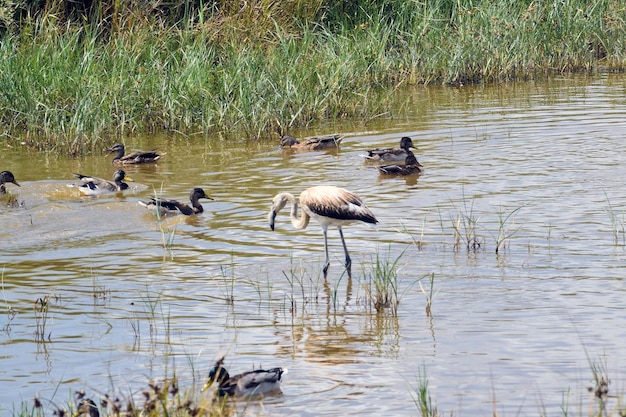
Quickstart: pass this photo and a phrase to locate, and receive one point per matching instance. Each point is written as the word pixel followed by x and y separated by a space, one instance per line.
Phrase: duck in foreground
pixel 258 382
pixel 411 167
pixel 6 177
pixel 164 206
pixel 140 157
pixel 97 186
pixel 329 206
pixel 313 143
pixel 391 154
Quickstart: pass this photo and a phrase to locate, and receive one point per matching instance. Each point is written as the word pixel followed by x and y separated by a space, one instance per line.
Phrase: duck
pixel 139 157
pixel 391 154
pixel 312 143
pixel 411 166
pixel 166 206
pixel 258 382
pixel 97 186
pixel 6 177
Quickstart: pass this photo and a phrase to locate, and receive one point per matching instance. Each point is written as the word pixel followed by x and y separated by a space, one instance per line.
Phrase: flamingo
pixel 329 206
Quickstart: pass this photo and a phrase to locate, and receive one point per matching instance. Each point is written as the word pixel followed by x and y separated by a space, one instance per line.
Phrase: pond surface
pixel 129 298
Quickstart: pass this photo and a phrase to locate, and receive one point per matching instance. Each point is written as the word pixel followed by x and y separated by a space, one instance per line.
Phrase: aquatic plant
pixel 464 225
pixel 381 283
pixel 158 399
pixel 618 222
pixel 421 396
pixel 72 78
pixel 504 234
pixel 430 295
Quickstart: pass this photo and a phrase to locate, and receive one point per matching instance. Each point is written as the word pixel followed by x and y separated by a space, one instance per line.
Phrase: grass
pixel 430 295
pixel 70 84
pixel 617 223
pixel 159 398
pixel 464 226
pixel 422 398
pixel 381 283
pixel 504 234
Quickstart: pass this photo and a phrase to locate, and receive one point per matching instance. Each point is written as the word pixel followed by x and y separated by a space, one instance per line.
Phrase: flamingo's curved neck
pixel 297 222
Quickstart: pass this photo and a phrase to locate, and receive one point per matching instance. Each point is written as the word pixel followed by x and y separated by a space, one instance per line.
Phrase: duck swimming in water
pixel 258 382
pixel 391 154
pixel 140 157
pixel 97 186
pixel 411 166
pixel 166 206
pixel 313 143
pixel 6 177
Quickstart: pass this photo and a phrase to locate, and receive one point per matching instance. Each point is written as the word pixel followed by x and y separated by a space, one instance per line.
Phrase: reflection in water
pixel 181 291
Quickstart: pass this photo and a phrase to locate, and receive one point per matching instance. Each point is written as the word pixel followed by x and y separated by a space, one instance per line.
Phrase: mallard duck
pixel 251 383
pixel 165 206
pixel 96 186
pixel 313 143
pixel 5 177
pixel 411 166
pixel 87 408
pixel 391 154
pixel 140 157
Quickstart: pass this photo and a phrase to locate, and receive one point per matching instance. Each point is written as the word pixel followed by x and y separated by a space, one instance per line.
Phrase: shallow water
pixel 518 333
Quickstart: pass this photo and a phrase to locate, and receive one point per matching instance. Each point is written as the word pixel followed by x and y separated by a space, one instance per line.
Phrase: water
pixel 516 333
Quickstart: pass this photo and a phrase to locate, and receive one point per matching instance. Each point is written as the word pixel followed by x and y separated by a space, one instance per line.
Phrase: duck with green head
pixel 97 186
pixel 166 206
pixel 411 167
pixel 6 177
pixel 391 154
pixel 258 382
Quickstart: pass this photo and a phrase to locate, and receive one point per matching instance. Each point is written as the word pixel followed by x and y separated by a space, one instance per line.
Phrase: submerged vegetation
pixel 75 74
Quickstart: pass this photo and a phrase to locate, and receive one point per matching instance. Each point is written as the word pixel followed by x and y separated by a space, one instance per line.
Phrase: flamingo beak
pixel 272 217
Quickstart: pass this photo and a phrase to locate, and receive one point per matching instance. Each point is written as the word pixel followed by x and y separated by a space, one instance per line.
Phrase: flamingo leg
pixel 345 249
pixel 327 263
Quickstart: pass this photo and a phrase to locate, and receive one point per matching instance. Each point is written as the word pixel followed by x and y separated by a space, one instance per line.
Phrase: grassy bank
pixel 70 86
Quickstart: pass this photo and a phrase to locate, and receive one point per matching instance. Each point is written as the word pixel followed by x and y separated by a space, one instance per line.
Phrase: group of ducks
pixel 95 186
pixel 328 205
pixel 398 161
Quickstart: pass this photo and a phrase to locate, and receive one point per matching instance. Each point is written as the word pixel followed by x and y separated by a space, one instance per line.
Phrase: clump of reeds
pixel 430 295
pixel 158 399
pixel 75 75
pixel 381 284
pixel 422 398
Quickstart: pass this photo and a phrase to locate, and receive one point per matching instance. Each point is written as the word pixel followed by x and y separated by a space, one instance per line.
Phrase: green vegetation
pixel 74 75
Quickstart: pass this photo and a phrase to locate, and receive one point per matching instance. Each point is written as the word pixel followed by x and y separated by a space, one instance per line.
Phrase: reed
pixel 72 80
pixel 381 283
pixel 422 398
pixel 618 223
pixel 504 232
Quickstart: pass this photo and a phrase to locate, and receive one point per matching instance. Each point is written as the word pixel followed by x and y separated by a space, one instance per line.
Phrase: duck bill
pixel 15 182
pixel 128 179
pixel 206 386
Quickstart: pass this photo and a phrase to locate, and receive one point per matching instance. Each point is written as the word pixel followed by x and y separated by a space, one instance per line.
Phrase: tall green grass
pixel 70 84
